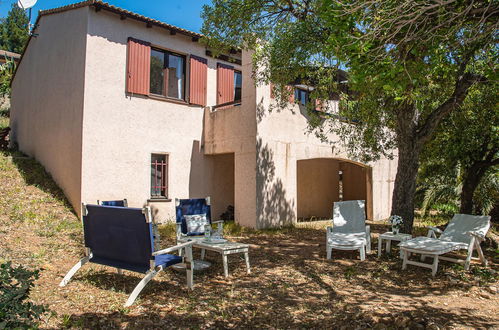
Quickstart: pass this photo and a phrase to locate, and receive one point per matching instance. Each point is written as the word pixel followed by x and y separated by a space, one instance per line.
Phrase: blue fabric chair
pixel 123 238
pixel 191 207
pixel 121 202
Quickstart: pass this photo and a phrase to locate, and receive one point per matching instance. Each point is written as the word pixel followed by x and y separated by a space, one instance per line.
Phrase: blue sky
pixel 181 13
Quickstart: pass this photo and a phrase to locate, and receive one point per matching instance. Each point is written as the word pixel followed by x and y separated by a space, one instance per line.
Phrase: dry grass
pixel 291 285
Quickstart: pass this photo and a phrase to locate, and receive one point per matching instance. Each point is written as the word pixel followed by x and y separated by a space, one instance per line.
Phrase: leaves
pixel 14 30
pixel 16 311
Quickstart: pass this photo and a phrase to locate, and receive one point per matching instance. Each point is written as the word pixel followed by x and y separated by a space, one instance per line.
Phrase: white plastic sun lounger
pixel 464 232
pixel 349 231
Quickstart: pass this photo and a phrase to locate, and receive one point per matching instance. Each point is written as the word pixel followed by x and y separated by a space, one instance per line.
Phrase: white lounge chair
pixel 349 231
pixel 464 232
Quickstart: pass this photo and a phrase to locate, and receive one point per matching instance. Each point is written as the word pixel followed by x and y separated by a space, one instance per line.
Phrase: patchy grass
pixel 292 285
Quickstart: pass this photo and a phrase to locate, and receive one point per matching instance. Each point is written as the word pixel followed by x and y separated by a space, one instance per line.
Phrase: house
pixel 117 105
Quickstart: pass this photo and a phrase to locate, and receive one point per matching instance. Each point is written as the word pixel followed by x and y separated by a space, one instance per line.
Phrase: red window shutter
pixel 319 105
pixel 138 67
pixel 291 98
pixel 225 83
pixel 198 80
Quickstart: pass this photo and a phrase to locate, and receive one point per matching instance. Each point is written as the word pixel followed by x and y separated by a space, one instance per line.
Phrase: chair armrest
pixel 179 230
pixel 478 236
pixel 174 248
pixel 218 222
pixel 433 231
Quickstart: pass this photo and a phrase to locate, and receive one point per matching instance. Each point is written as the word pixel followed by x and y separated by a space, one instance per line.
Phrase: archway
pixel 323 181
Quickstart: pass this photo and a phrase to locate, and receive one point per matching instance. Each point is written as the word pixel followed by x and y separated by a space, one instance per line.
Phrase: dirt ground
pixel 291 285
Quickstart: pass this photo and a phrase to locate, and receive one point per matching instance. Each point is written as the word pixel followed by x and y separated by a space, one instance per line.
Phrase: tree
pixel 467 140
pixel 14 30
pixel 410 64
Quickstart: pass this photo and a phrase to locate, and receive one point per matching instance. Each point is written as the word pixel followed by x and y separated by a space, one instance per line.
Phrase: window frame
pixel 241 73
pixel 298 100
pixel 166 178
pixel 185 67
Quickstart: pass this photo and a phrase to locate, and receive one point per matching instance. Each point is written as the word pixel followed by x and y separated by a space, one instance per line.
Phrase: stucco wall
pixel 47 98
pixel 120 132
pixel 317 187
pixel 281 139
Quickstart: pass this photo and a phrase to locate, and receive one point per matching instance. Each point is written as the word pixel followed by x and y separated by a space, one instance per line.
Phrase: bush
pixel 15 309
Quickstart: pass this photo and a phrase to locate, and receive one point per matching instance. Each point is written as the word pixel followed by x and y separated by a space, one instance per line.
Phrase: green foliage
pixel 467 138
pixel 6 74
pixel 410 64
pixel 16 311
pixel 14 30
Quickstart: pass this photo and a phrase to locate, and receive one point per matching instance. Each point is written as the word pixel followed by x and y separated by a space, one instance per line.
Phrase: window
pixel 167 74
pixel 153 71
pixel 301 96
pixel 159 176
pixel 229 84
pixel 238 85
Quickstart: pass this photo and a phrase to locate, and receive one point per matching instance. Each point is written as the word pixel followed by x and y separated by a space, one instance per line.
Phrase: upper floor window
pixel 229 85
pixel 238 86
pixel 302 96
pixel 167 74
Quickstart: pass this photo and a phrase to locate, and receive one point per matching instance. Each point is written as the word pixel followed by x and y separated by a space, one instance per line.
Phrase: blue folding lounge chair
pixel 120 202
pixel 122 238
pixel 185 209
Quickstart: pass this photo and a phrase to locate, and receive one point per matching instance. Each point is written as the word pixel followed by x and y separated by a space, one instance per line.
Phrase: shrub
pixel 16 311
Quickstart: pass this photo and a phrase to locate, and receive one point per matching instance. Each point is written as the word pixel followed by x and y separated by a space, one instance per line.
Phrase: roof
pixel 5 53
pixel 101 5
pixel 122 12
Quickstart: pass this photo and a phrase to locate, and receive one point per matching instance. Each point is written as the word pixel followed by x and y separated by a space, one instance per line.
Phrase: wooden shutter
pixel 291 98
pixel 198 80
pixel 225 83
pixel 319 105
pixel 138 67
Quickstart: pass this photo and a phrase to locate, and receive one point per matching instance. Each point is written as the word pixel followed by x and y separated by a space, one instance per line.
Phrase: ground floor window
pixel 159 176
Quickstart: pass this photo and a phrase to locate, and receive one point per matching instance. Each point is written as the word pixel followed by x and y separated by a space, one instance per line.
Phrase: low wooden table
pixel 225 249
pixel 389 237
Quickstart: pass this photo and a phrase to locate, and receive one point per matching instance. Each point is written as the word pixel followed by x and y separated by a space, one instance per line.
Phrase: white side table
pixel 389 237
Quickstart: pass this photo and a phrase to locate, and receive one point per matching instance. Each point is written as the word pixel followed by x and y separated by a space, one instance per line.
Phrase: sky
pixel 181 13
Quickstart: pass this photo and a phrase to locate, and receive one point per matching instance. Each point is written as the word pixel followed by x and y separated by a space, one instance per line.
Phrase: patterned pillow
pixel 195 223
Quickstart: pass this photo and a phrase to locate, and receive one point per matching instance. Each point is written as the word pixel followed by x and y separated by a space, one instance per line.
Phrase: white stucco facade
pixel 70 111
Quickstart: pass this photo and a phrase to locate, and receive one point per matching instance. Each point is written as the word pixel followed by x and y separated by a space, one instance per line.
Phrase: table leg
pixel 226 266
pixel 380 246
pixel 434 266
pixel 388 246
pixel 203 253
pixel 406 256
pixel 246 258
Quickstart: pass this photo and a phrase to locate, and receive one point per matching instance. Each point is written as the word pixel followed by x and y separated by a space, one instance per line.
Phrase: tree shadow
pixel 273 207
pixel 291 286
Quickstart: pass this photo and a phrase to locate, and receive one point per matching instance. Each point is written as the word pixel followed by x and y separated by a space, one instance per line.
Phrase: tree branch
pixel 463 84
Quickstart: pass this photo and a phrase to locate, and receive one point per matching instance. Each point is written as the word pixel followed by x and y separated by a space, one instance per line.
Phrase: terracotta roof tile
pixel 106 6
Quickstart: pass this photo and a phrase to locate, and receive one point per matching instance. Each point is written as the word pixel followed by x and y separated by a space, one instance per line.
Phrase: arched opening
pixel 323 181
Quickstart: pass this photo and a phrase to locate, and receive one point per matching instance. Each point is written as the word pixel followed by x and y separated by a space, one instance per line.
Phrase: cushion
pixel 195 223
pixel 432 245
pixel 166 260
pixel 352 239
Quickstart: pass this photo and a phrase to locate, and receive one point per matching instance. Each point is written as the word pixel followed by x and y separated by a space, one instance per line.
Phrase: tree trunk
pixel 471 181
pixel 405 185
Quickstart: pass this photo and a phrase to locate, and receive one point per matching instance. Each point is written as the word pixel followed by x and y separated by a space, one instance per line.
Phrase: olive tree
pixel 410 64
